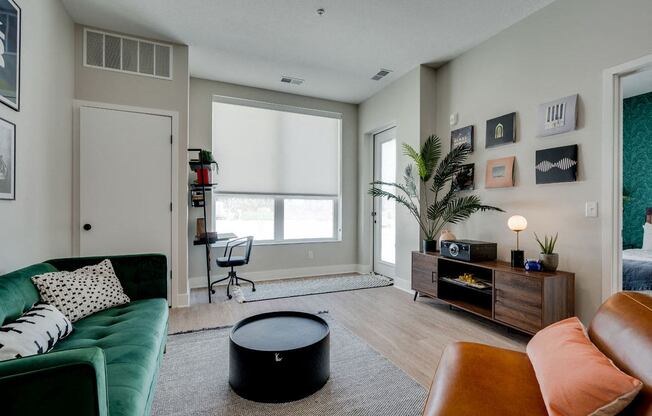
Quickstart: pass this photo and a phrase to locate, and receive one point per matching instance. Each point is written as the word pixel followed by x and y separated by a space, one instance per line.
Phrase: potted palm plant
pixel 548 258
pixel 445 206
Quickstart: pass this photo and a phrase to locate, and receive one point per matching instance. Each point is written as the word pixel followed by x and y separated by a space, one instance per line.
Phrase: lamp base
pixel 518 258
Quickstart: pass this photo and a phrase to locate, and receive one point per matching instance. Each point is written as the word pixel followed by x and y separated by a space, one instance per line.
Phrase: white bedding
pixel 637 254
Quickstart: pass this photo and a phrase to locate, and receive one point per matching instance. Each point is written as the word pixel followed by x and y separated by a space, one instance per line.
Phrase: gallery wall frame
pixel 464 179
pixel 556 164
pixel 500 172
pixel 10 53
pixel 501 130
pixel 7 160
pixel 558 116
pixel 462 136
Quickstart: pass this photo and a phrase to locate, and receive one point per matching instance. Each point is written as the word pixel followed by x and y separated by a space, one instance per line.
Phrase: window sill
pixel 288 242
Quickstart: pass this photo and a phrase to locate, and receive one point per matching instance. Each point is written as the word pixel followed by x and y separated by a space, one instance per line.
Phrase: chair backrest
pixel 622 330
pixel 247 253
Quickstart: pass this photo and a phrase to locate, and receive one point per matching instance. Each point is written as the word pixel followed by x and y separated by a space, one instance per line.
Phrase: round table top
pixel 279 331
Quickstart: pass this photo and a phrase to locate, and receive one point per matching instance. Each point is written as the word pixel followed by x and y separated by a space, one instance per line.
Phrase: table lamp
pixel 517 223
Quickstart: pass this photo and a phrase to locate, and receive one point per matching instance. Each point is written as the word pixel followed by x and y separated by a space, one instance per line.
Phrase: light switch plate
pixel 453 119
pixel 591 209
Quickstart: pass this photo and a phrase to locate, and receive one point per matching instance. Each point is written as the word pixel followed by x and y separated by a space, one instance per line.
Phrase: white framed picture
pixel 559 116
pixel 7 160
pixel 10 22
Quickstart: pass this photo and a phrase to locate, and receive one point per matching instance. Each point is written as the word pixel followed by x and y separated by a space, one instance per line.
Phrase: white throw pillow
pixel 35 332
pixel 647 236
pixel 82 292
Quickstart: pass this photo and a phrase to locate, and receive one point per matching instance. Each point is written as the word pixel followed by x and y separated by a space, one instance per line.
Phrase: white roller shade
pixel 274 151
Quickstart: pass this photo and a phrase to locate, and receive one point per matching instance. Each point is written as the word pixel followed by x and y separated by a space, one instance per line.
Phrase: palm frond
pixel 410 182
pixel 449 166
pixel 416 157
pixel 430 154
pixel 461 208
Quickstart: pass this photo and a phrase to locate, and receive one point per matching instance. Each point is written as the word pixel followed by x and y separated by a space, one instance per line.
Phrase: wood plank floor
pixel 411 334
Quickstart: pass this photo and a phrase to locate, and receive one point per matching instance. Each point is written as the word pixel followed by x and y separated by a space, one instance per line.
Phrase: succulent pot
pixel 429 246
pixel 549 261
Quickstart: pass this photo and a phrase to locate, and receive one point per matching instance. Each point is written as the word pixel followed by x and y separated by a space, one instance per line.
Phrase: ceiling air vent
pixel 292 81
pixel 381 74
pixel 125 54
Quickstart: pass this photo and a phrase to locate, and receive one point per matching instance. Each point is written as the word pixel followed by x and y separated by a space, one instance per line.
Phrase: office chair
pixel 235 261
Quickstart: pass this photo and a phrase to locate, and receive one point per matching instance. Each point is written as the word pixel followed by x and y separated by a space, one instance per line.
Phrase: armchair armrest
pixel 70 382
pixel 143 276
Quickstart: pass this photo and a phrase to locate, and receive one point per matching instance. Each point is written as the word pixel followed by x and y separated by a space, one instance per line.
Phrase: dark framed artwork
pixel 500 173
pixel 558 164
pixel 501 130
pixel 464 179
pixel 10 22
pixel 7 160
pixel 559 116
pixel 462 136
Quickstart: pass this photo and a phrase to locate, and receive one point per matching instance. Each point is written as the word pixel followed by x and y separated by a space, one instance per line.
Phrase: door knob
pixel 87 227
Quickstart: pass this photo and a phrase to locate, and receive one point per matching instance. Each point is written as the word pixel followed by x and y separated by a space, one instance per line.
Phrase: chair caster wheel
pixel 253 289
pixel 230 296
pixel 212 291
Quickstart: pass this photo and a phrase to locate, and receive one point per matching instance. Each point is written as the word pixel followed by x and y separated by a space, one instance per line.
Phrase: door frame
pixel 612 181
pixel 375 201
pixel 174 300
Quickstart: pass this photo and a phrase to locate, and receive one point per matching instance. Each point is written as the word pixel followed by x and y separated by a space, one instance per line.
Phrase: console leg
pixel 415 295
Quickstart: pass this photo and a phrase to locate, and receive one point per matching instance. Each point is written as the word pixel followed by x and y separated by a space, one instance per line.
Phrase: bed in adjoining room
pixel 637 262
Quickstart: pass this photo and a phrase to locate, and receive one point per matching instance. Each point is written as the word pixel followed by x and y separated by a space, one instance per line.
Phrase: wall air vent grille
pixel 381 74
pixel 292 81
pixel 125 54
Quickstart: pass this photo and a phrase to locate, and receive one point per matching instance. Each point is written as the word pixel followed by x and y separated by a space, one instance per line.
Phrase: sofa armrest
pixel 143 276
pixel 70 382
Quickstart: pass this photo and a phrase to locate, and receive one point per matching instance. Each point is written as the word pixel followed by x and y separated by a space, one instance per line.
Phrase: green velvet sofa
pixel 109 364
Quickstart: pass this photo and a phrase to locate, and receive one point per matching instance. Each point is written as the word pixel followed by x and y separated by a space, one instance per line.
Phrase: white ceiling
pixel 637 84
pixel 254 42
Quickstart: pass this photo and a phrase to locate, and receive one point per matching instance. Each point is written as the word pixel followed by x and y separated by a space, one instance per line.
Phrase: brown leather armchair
pixel 474 379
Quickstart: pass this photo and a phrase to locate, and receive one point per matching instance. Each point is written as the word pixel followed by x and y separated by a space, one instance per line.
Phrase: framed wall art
pixel 7 160
pixel 464 179
pixel 559 116
pixel 500 172
pixel 501 130
pixel 558 164
pixel 10 21
pixel 462 136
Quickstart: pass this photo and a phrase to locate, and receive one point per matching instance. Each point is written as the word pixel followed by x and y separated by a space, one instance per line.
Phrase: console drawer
pixel 518 301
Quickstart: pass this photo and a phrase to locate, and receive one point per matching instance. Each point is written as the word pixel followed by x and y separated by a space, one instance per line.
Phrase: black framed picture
pixel 558 164
pixel 7 160
pixel 10 22
pixel 501 130
pixel 464 179
pixel 462 136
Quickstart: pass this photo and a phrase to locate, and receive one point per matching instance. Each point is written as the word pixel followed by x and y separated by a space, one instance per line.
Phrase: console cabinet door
pixel 424 273
pixel 518 301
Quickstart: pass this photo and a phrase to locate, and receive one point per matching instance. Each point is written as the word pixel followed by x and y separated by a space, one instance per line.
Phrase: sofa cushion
pixel 475 379
pixel 17 292
pixel 34 332
pixel 132 337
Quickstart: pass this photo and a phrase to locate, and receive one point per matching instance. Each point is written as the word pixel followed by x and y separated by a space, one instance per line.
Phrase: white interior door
pixel 384 215
pixel 125 182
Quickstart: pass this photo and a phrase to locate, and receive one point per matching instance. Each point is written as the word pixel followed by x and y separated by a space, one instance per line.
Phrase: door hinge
pixel 170 206
pixel 170 274
pixel 171 138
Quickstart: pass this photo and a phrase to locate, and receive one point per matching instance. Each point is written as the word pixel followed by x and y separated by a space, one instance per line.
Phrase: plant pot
pixel 549 261
pixel 429 246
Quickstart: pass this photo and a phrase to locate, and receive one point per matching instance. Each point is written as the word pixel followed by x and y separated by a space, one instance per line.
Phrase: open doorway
pixel 627 189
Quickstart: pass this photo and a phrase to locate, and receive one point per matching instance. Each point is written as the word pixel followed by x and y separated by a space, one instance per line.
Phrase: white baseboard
pixel 197 282
pixel 404 285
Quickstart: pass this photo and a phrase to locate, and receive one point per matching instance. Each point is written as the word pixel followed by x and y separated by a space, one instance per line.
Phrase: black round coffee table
pixel 279 356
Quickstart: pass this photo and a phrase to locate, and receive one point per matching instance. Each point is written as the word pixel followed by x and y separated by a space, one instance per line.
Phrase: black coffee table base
pixel 279 357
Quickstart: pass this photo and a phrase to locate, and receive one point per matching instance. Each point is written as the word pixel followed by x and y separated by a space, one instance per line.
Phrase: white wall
pixel 288 260
pixel 93 84
pixel 37 225
pixel 558 51
pixel 408 104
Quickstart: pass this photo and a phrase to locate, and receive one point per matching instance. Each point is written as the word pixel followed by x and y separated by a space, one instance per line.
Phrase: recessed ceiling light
pixel 321 11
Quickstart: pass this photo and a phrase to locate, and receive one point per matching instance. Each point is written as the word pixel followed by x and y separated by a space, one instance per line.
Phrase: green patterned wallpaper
pixel 637 166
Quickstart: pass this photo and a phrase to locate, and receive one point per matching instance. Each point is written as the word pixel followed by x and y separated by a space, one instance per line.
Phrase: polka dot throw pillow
pixel 82 292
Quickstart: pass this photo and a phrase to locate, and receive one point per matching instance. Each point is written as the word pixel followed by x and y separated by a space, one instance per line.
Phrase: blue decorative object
pixel 533 265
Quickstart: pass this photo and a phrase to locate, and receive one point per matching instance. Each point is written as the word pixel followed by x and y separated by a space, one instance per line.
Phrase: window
pixel 279 177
